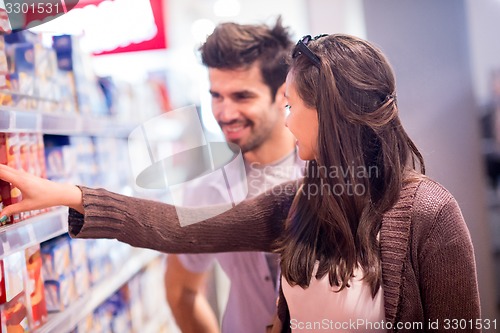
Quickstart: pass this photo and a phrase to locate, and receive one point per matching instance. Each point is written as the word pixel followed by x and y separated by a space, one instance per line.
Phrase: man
pixel 247 71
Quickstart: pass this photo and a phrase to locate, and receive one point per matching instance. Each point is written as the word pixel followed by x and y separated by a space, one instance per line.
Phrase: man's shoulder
pixel 197 263
pixel 203 261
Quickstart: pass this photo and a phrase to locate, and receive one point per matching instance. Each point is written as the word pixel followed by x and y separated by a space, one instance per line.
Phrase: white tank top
pixel 319 308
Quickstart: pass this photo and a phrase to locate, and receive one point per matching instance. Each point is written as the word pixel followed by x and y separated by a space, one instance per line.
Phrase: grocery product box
pixel 40 151
pixel 35 166
pixel 21 151
pixel 56 258
pixel 60 163
pixel 57 271
pixel 12 146
pixel 81 280
pixel 4 186
pixel 10 155
pixel 14 315
pixel 31 81
pixel 25 162
pixel 59 294
pixel 46 82
pixel 78 249
pixel 66 85
pixel 11 279
pixel 87 170
pixel 90 99
pixel 35 286
pixel 13 301
pixel 22 69
pixel 80 266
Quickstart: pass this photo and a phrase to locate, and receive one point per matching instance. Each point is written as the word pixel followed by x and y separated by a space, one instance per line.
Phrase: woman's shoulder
pixel 429 195
pixel 433 207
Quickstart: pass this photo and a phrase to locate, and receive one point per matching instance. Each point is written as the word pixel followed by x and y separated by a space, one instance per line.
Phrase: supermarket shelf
pixel 13 120
pixel 65 321
pixel 34 230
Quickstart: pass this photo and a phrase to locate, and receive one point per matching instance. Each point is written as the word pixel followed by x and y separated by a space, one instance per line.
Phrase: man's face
pixel 243 106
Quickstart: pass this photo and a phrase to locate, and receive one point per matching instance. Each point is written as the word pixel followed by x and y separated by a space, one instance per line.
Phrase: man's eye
pixel 242 97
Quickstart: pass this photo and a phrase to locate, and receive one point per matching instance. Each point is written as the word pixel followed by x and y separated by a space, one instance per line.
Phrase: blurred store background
pixel 446 55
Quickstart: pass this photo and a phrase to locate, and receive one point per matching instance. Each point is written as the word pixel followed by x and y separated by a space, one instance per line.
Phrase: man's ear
pixel 279 98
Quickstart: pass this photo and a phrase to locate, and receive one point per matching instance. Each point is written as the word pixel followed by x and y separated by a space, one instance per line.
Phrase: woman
pixel 367 242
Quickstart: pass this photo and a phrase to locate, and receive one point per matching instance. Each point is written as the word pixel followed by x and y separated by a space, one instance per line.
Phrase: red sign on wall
pixel 109 26
pixel 156 41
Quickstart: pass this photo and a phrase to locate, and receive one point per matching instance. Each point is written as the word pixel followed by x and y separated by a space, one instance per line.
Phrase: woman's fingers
pixel 13 209
pixel 16 177
pixel 38 192
pixel 35 191
pixel 7 173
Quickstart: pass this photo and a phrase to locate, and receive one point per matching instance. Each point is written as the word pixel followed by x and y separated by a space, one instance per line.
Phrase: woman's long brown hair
pixel 363 153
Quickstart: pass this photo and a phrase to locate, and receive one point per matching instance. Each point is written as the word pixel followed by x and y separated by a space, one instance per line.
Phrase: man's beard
pixel 254 141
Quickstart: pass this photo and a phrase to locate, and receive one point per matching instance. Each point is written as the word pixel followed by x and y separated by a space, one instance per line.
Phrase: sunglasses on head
pixel 301 48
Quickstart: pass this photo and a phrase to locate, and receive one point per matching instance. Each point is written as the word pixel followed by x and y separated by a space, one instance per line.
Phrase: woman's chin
pixel 304 154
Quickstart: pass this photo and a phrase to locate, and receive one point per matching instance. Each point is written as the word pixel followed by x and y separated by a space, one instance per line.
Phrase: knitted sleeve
pixel 253 225
pixel 448 271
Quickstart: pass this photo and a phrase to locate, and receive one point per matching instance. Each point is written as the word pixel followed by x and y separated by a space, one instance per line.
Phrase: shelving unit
pixel 49 225
pixel 37 229
pixel 34 230
pixel 65 321
pixel 14 120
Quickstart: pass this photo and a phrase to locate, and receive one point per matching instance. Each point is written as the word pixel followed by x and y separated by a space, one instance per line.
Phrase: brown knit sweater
pixel 428 265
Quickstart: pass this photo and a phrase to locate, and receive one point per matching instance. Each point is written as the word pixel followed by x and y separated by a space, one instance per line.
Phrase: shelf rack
pixel 34 230
pixel 14 120
pixel 67 320
pixel 40 228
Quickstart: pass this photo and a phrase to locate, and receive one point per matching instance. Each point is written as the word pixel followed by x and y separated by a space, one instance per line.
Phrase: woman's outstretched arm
pixel 38 192
pixel 253 225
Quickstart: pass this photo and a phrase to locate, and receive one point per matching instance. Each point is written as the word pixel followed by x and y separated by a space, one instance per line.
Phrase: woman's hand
pixel 38 193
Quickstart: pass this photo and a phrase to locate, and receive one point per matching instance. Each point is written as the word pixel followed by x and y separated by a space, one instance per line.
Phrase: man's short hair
pixel 233 46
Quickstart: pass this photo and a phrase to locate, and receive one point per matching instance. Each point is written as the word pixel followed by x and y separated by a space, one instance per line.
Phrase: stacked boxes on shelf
pixel 13 300
pixel 32 78
pixel 133 307
pixel 75 64
pixel 23 151
pixel 11 194
pixel 98 161
pixel 61 79
pixel 22 296
pixel 71 266
pixel 57 272
pixel 52 275
pixel 35 286
pixel 49 277
pixel 56 79
pixel 86 168
pixel 81 160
